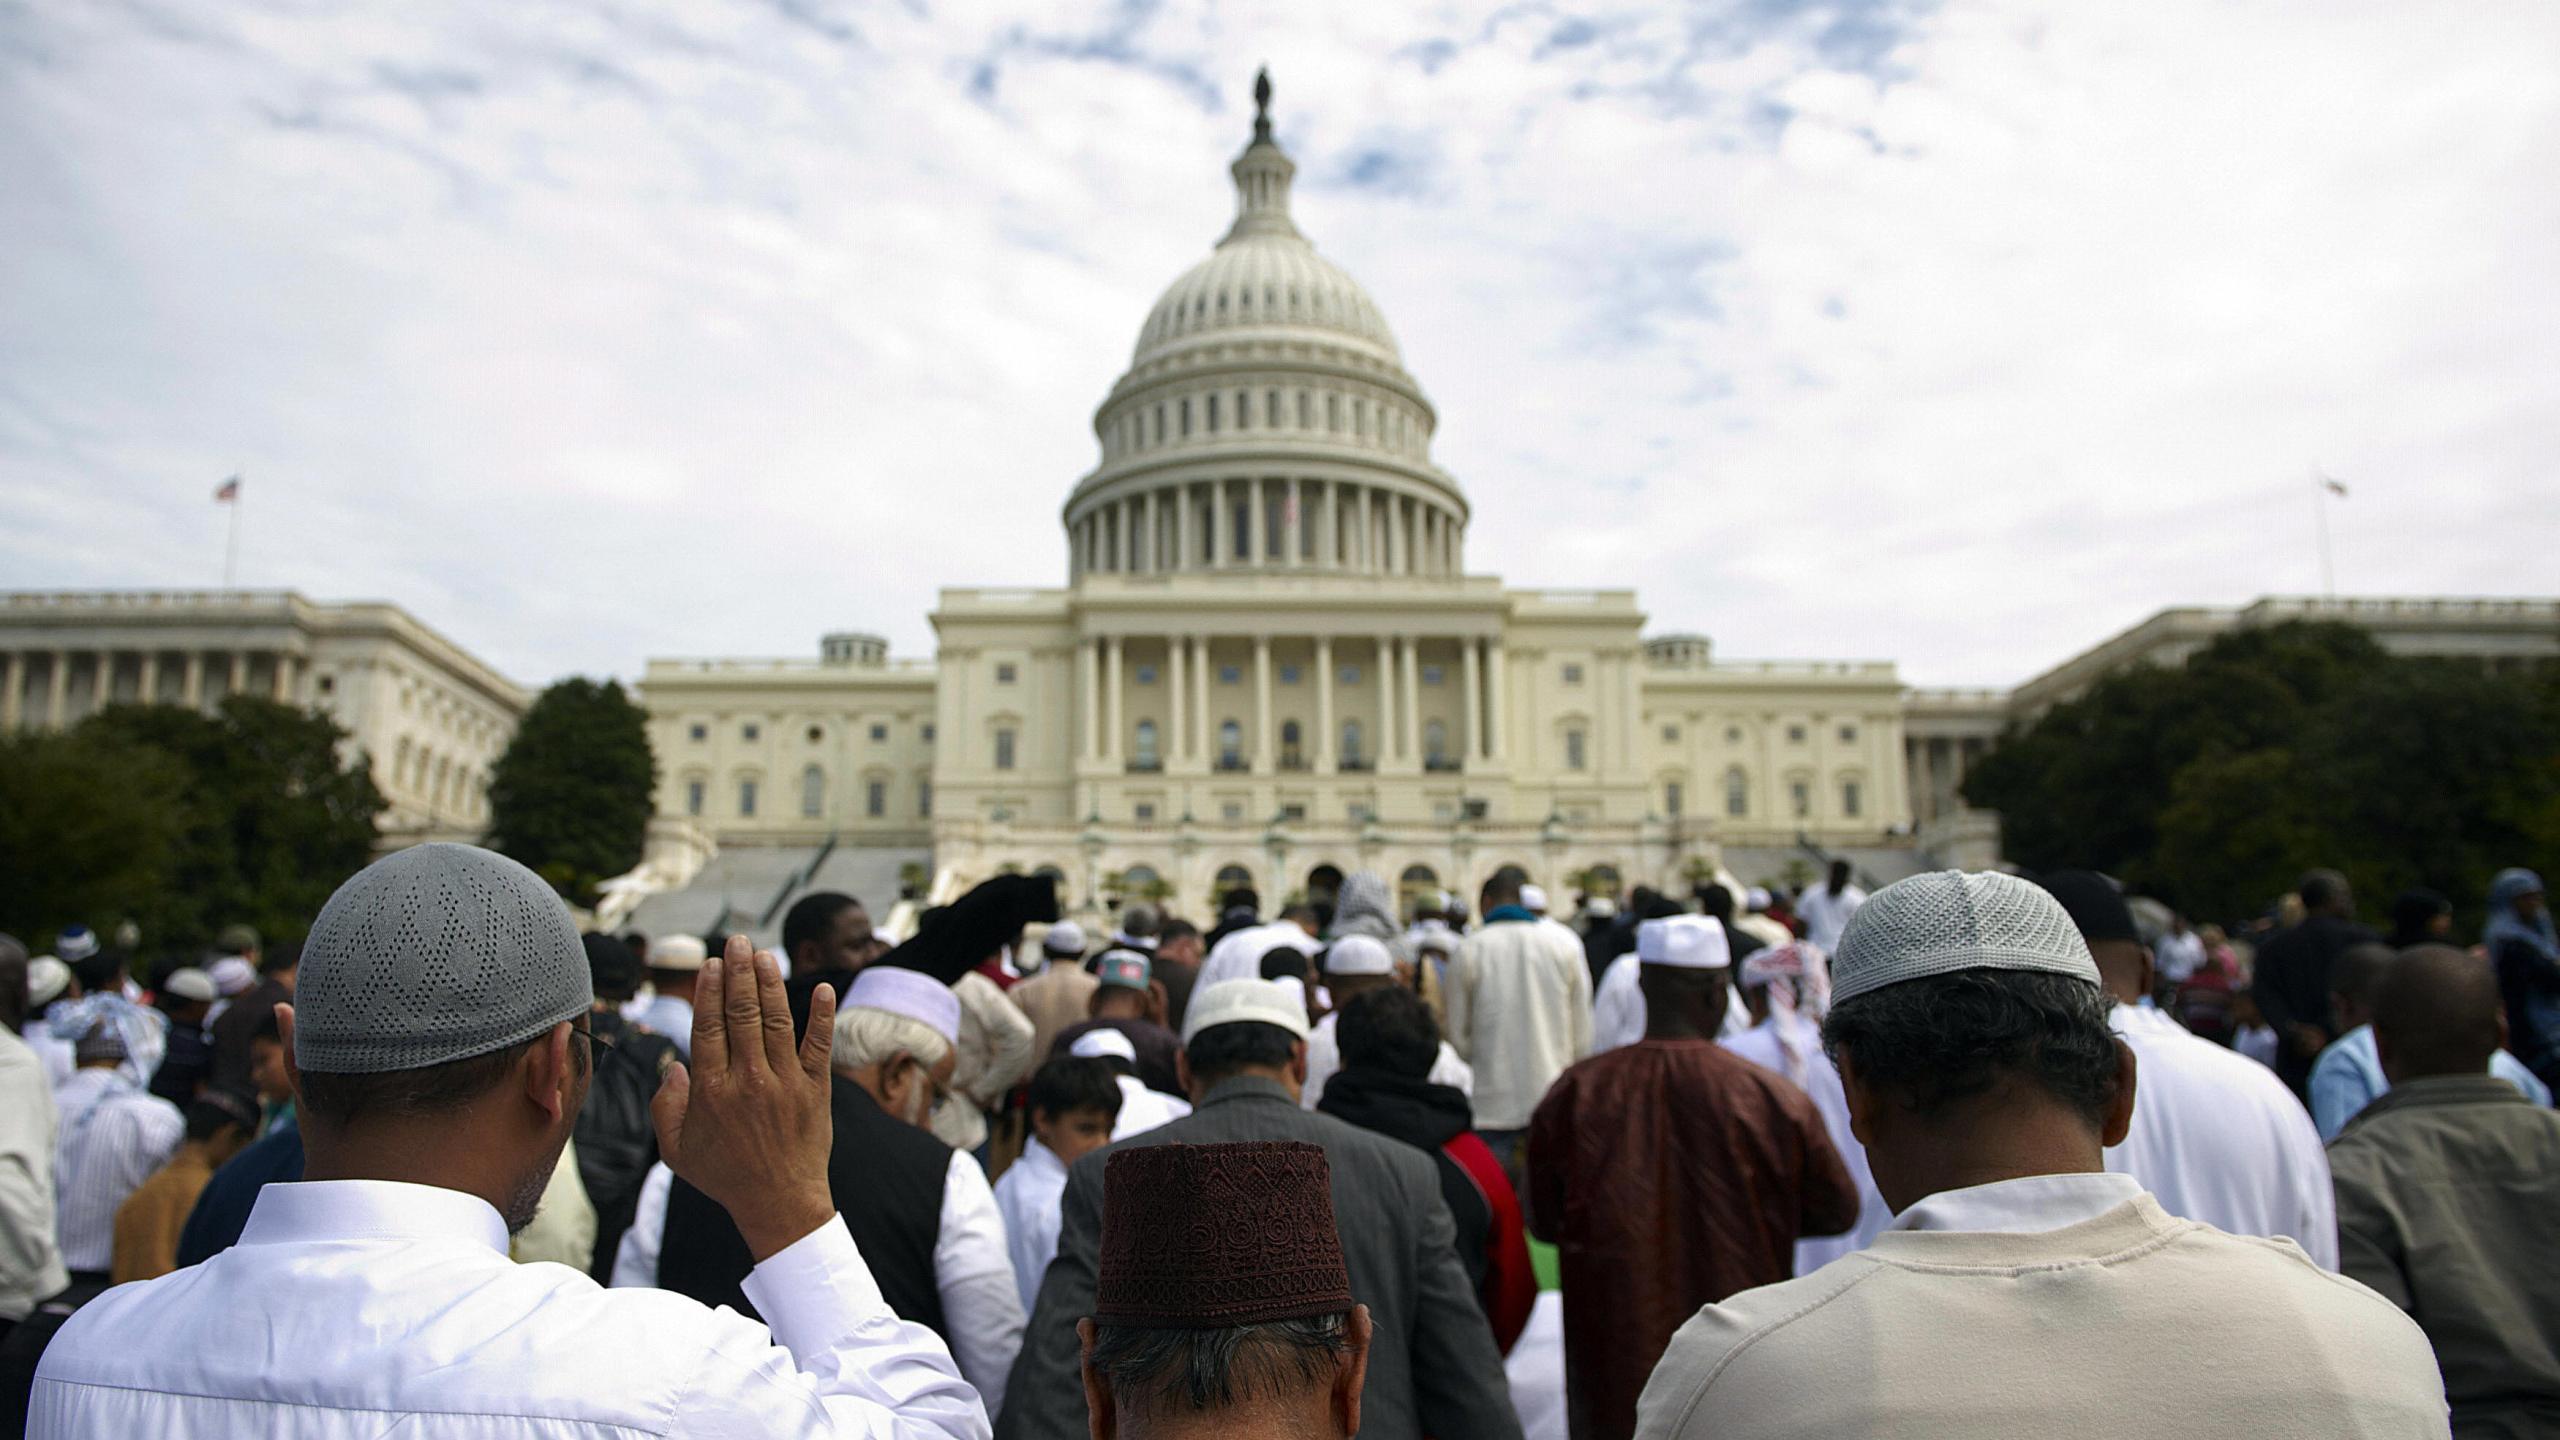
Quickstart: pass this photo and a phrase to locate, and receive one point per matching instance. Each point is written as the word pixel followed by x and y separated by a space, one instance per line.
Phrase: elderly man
pixel 1669 1174
pixel 440 1054
pixel 2022 1290
pixel 922 1212
pixel 1432 1368
pixel 1195 1335
pixel 2447 1185
pixel 1519 1011
pixel 2215 1137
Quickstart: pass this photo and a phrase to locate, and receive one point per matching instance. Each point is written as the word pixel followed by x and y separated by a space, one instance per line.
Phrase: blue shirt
pixel 2348 1076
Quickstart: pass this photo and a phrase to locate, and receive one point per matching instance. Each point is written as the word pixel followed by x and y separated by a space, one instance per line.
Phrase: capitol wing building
pixel 1271 664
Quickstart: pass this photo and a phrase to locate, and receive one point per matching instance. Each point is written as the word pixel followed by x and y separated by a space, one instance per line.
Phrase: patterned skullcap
pixel 1950 920
pixel 435 954
pixel 1211 1237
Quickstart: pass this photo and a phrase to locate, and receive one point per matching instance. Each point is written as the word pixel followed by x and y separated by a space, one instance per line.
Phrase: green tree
pixel 254 813
pixel 573 793
pixel 88 826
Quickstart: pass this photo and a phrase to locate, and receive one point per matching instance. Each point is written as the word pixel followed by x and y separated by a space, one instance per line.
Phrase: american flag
pixel 2336 487
pixel 227 491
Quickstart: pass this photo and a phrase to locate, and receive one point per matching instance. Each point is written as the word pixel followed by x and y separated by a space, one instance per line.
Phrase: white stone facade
pixel 432 718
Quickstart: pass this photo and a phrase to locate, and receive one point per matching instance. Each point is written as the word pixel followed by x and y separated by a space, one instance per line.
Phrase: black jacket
pixel 617 1141
pixel 1426 1117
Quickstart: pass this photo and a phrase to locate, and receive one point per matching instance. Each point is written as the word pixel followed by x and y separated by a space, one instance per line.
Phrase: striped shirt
pixel 112 1137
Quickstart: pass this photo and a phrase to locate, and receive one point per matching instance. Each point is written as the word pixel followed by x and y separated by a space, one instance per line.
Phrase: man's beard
pixel 524 1202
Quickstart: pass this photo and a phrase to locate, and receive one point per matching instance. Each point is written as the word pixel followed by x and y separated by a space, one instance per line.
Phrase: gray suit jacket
pixel 1433 1367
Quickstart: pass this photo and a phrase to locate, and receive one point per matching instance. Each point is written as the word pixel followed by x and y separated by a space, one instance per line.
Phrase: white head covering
pixel 76 943
pixel 1951 920
pixel 1358 955
pixel 47 978
pixel 1229 1002
pixel 911 993
pixel 1799 982
pixel 190 983
pixel 1757 898
pixel 1104 1042
pixel 677 952
pixel 1533 899
pixel 233 975
pixel 1684 942
pixel 1066 938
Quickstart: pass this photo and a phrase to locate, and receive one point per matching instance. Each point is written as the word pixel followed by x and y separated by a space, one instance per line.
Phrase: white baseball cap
pixel 1231 1002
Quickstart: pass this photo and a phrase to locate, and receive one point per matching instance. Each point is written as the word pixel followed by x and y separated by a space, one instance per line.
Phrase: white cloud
pixel 1959 338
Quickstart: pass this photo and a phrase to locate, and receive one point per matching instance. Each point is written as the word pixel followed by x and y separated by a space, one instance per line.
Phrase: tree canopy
pixel 2215 784
pixel 572 795
pixel 181 821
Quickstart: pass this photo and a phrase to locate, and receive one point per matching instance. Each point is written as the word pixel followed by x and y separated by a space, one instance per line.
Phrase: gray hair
pixel 866 1037
pixel 1153 1370
pixel 1141 921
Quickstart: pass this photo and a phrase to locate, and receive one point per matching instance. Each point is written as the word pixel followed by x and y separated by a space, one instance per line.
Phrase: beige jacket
pixel 1519 1006
pixel 2131 1326
pixel 995 1056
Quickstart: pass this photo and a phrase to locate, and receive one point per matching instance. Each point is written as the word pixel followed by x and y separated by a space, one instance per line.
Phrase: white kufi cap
pixel 1950 920
pixel 1103 1043
pixel 911 993
pixel 1683 942
pixel 677 952
pixel 1533 899
pixel 1358 955
pixel 1231 1002
pixel 190 983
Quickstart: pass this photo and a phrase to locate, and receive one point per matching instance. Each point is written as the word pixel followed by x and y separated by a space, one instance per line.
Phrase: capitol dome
pixel 1266 420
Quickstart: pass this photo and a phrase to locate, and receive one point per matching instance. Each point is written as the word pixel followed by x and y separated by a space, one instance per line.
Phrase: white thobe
pixel 1766 1045
pixel 1142 1109
pixel 113 1137
pixel 1324 1058
pixel 972 1270
pixel 1030 1193
pixel 1239 955
pixel 356 1308
pixel 1825 915
pixel 1519 1003
pixel 2218 1138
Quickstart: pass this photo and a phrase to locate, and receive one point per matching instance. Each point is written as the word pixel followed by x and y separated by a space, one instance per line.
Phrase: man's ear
pixel 1182 1075
pixel 1298 1063
pixel 1354 1374
pixel 284 1034
pixel 2150 971
pixel 1863 1102
pixel 547 1072
pixel 2119 1121
pixel 1102 1422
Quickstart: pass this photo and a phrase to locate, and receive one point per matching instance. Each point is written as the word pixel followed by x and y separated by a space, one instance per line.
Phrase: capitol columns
pixel 58 691
pixel 1411 704
pixel 1496 719
pixel 1112 650
pixel 1261 704
pixel 1323 748
pixel 1384 679
pixel 1470 713
pixel 1177 746
pixel 1089 683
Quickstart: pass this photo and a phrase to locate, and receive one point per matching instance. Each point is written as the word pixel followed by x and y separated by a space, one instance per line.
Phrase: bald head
pixel 2436 1012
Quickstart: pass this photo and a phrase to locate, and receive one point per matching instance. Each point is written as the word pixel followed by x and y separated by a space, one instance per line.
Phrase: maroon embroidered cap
pixel 1210 1237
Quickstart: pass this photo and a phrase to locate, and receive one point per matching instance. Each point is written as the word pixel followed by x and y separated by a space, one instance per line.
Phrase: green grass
pixel 1542 1259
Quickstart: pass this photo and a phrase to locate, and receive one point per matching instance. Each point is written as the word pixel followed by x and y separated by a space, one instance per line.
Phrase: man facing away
pixel 1222 1308
pixel 1057 996
pixel 1669 1174
pixel 1432 1366
pixel 220 1122
pixel 2291 983
pixel 1073 1105
pixel 1519 1000
pixel 2447 1186
pixel 1354 965
pixel 2348 1075
pixel 2214 1136
pixel 440 1053
pixel 30 1261
pixel 2022 1291
pixel 1786 988
pixel 1825 909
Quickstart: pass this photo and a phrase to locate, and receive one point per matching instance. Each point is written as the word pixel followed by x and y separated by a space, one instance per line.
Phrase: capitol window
pixel 1800 798
pixel 1230 745
pixel 1670 734
pixel 1733 734
pixel 1004 749
pixel 1004 674
pixel 1306 413
pixel 1186 415
pixel 1350 675
pixel 1144 755
pixel 746 799
pixel 1232 810
pixel 698 733
pixel 1434 674
pixel 1159 424
pixel 1244 410
pixel 1351 745
pixel 1271 409
pixel 1671 798
pixel 1795 734
pixel 875 799
pixel 928 734
pixel 1230 674
pixel 1573 674
pixel 1143 812
pixel 924 796
pixel 1849 798
pixel 1146 674
pixel 1848 734
pixel 1575 747
pixel 693 797
pixel 1737 792
pixel 879 733
pixel 751 731
pixel 1213 414
pixel 1333 413
pixel 1288 674
pixel 813 791
pixel 816 734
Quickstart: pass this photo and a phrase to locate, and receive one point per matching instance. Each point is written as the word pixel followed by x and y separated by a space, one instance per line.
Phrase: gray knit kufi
pixel 1950 920
pixel 434 954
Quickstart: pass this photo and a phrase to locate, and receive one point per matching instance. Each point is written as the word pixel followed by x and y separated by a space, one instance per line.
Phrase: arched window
pixel 1419 888
pixel 1737 792
pixel 813 792
pixel 1230 745
pixel 1143 754
pixel 1290 742
pixel 1435 744
pixel 1351 756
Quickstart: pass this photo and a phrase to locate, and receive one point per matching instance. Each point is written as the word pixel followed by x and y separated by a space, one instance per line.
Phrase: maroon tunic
pixel 1669 1174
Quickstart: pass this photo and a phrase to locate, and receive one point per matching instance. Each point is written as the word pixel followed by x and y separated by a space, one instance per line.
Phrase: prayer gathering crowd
pixel 1978 1154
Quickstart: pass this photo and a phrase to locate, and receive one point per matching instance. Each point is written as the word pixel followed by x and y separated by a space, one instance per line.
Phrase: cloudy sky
pixel 1961 334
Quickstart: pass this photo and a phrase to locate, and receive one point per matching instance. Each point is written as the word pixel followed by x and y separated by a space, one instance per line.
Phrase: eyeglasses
pixel 603 1046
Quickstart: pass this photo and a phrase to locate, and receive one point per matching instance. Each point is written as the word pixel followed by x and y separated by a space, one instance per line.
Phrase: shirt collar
pixel 314 1210
pixel 1502 913
pixel 2432 1090
pixel 1245 1087
pixel 2029 1205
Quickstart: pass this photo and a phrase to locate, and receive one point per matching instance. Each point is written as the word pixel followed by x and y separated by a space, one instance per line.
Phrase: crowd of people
pixel 1977 1154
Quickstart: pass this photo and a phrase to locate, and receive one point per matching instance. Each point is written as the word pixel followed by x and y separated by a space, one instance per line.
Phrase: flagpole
pixel 231 546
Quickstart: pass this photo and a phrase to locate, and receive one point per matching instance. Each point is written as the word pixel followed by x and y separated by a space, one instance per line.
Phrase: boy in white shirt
pixel 1073 1104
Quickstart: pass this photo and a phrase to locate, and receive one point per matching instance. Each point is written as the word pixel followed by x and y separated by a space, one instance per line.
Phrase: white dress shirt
pixel 669 1016
pixel 113 1136
pixel 1141 1110
pixel 359 1308
pixel 1617 1008
pixel 1324 1058
pixel 1029 1193
pixel 2029 1205
pixel 1239 955
pixel 972 1270
pixel 2218 1138
pixel 1768 1045
pixel 30 1261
